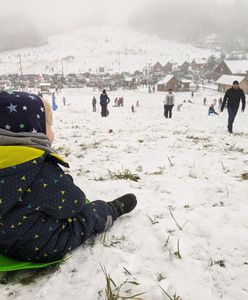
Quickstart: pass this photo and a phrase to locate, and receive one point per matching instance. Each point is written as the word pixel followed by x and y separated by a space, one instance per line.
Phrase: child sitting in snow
pixel 43 214
pixel 211 110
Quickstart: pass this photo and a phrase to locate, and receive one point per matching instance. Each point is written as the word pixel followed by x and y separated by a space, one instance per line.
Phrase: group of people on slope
pixel 104 101
pixel 231 101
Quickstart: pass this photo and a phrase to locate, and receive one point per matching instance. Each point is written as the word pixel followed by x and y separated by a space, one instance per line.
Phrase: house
pixel 225 82
pixel 184 85
pixel 168 67
pixel 198 64
pixel 169 82
pixel 157 68
pixel 184 67
pixel 232 67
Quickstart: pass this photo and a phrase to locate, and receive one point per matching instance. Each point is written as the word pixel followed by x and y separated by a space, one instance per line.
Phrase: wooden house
pixel 226 81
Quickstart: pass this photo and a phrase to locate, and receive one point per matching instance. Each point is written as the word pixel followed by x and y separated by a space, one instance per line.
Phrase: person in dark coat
pixel 43 214
pixel 232 99
pixel 104 101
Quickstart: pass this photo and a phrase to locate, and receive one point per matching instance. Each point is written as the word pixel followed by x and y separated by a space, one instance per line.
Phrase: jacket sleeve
pixel 58 196
pixel 224 101
pixel 243 100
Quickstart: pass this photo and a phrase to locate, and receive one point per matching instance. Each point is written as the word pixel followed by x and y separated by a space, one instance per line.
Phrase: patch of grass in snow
pixel 178 253
pixel 198 139
pixel 177 224
pixel 153 220
pixel 220 263
pixel 63 150
pixel 112 241
pixel 124 174
pixel 156 173
pixel 121 291
pixel 244 176
pixel 84 147
pixel 100 178
pixel 233 148
pixel 174 297
pixel 160 277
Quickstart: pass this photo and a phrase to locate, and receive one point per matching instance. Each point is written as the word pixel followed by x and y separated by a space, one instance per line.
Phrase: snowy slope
pixel 201 185
pixel 115 48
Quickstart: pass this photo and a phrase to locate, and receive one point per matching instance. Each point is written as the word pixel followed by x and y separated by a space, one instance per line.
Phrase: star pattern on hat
pixel 20 113
pixel 12 108
pixel 32 97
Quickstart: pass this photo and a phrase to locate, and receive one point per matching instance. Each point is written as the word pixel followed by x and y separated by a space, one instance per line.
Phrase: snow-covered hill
pixel 114 48
pixel 189 169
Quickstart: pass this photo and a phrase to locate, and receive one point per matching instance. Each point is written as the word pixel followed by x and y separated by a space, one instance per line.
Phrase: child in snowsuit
pixel 211 110
pixel 43 214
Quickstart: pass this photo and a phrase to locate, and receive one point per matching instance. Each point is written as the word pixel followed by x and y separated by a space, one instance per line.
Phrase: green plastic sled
pixel 9 264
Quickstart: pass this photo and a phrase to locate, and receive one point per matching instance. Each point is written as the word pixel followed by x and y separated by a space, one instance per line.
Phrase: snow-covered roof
pixel 183 80
pixel 166 79
pixel 45 84
pixel 200 61
pixel 229 79
pixel 237 66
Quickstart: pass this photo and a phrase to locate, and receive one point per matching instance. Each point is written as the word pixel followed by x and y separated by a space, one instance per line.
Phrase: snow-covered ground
pixel 189 169
pixel 114 48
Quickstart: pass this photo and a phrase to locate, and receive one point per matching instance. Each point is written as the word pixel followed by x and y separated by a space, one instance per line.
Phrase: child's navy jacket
pixel 43 215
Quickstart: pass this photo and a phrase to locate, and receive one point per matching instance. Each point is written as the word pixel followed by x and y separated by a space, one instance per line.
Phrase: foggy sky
pixel 65 14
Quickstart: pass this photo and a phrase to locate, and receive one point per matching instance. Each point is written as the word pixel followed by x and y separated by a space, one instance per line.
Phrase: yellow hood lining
pixel 15 155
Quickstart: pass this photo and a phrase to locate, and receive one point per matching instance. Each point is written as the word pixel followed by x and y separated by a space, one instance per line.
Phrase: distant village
pixel 212 73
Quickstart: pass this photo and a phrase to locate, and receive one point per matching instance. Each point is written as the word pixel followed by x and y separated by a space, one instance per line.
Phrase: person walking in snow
pixel 94 104
pixel 64 101
pixel 104 101
pixel 132 108
pixel 204 101
pixel 169 103
pixel 232 99
pixel 54 104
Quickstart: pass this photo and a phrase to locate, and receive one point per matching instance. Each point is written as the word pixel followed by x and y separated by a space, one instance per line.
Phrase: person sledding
pixel 211 110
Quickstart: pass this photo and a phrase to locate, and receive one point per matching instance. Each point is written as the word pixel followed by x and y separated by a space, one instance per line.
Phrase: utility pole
pixel 20 62
pixel 62 67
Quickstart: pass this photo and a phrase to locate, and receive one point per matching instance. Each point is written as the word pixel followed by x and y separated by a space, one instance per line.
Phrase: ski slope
pixel 116 49
pixel 189 169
